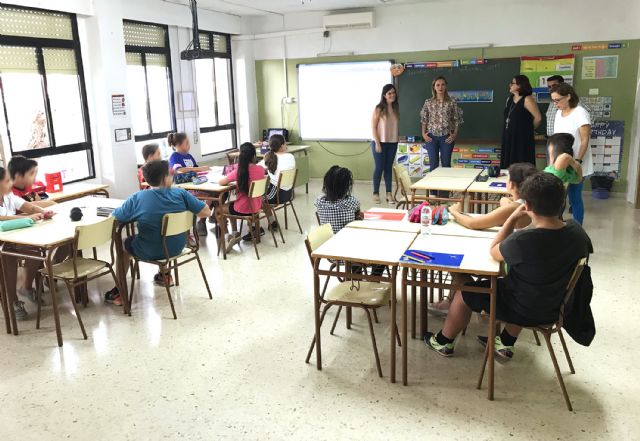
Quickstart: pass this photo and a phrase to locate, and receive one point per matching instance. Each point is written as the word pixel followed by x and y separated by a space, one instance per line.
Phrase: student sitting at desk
pixel 541 260
pixel 246 172
pixel 9 207
pixel 562 164
pixel 517 174
pixel 275 161
pixel 337 206
pixel 23 173
pixel 150 152
pixel 147 208
pixel 181 161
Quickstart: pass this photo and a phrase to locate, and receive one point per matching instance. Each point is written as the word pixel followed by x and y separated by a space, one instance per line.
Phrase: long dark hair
pixel 337 184
pixel 382 105
pixel 271 159
pixel 175 139
pixel 525 86
pixel 247 157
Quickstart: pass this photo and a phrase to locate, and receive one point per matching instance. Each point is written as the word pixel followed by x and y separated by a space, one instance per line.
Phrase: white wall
pixel 437 25
pixel 634 154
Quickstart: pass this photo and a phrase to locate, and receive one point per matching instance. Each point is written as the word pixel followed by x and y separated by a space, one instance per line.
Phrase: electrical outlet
pixel 289 99
pixel 594 91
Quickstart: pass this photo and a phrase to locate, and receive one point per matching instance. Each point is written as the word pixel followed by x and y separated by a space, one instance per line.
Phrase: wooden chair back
pixel 316 237
pixel 575 276
pixel 258 188
pixel 93 235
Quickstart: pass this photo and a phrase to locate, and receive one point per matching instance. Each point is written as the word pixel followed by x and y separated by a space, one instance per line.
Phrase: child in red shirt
pixel 23 172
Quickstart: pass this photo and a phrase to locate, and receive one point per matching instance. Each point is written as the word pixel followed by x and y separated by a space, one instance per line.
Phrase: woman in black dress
pixel 521 118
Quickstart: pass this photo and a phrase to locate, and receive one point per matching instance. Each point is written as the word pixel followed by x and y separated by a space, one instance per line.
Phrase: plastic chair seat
pixel 85 268
pixel 370 293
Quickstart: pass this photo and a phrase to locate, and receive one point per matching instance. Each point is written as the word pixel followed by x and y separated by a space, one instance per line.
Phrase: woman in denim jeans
pixel 384 125
pixel 441 118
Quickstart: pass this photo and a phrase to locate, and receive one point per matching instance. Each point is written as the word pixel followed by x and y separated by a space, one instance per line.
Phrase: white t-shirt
pixel 10 204
pixel 286 161
pixel 571 124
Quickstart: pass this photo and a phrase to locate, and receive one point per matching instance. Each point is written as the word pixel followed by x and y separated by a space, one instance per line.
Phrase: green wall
pixel 357 155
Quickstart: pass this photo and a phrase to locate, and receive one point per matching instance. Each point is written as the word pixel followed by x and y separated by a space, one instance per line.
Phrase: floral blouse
pixel 441 117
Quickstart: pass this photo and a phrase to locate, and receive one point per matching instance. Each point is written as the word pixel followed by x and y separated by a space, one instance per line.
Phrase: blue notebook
pixel 430 258
pixel 498 184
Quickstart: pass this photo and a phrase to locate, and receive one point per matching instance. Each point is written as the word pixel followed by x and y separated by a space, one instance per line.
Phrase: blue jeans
pixel 574 191
pixel 439 148
pixel 383 162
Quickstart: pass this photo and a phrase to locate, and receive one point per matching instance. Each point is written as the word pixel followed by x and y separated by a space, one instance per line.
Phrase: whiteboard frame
pixel 393 80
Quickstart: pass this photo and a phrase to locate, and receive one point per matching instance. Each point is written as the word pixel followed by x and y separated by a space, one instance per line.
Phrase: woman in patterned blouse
pixel 441 118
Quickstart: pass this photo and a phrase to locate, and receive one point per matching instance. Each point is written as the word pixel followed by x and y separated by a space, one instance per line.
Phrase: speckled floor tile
pixel 233 367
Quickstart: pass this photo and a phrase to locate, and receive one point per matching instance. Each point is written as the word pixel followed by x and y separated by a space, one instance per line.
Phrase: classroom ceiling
pixel 264 7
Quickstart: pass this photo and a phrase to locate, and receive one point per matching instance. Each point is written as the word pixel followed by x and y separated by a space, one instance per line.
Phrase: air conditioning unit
pixel 353 20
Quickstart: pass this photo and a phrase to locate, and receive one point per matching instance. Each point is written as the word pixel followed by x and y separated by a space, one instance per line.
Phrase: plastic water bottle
pixel 425 220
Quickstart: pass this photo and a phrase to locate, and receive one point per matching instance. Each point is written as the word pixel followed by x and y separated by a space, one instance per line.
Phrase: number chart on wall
pixel 336 100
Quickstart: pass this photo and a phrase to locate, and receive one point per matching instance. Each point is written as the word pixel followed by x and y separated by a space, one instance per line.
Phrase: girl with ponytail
pixel 275 161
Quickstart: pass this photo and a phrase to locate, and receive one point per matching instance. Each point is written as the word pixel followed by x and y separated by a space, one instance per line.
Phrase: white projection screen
pixel 336 100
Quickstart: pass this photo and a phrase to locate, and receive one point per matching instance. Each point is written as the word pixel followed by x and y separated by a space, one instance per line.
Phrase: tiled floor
pixel 233 367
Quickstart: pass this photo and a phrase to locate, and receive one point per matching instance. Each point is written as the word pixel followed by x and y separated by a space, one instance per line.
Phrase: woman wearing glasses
pixel 521 118
pixel 574 119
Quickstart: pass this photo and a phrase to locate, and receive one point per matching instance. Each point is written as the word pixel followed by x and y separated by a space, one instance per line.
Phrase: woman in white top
pixel 574 119
pixel 275 161
pixel 384 127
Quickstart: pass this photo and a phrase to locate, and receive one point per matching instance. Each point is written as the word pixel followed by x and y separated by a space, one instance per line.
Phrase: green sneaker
pixel 432 343
pixel 501 350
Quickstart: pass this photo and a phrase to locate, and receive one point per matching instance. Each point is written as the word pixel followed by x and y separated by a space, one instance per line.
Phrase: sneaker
pixel 431 342
pixel 161 280
pixel 31 295
pixel 113 297
pixel 501 350
pixel 247 237
pixel 21 312
pixel 274 225
pixel 201 228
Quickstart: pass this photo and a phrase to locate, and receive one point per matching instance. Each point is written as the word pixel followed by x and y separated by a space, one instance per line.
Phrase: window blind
pixel 220 43
pixel 18 59
pixel 134 59
pixel 59 61
pixel 204 41
pixel 37 24
pixel 146 35
pixel 156 60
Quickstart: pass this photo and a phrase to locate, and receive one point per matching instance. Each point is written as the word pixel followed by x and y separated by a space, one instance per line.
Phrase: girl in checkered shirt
pixel 337 206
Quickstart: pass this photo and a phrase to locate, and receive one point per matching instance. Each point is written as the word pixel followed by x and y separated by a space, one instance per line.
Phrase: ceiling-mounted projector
pixel 193 51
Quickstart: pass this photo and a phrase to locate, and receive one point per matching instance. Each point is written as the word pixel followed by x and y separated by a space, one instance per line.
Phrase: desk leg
pixel 222 225
pixel 413 303
pixel 413 198
pixel 5 303
pixel 492 335
pixel 423 304
pixel 121 274
pixel 394 327
pixel 52 289
pixel 9 299
pixel 403 334
pixel 316 312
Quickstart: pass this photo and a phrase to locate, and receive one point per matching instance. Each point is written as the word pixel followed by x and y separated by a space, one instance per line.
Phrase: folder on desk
pixel 498 184
pixel 432 259
pixel 383 215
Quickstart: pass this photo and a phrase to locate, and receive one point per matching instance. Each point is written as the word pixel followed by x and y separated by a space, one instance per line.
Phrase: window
pixel 214 92
pixel 43 92
pixel 149 78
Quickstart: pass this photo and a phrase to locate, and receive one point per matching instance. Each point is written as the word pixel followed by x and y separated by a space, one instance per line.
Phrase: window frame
pixel 233 125
pixel 43 43
pixel 166 51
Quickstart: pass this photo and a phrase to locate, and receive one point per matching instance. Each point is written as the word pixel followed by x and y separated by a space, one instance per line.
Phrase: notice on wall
pixel 600 106
pixel 607 138
pixel 118 105
pixel 600 67
pixel 538 69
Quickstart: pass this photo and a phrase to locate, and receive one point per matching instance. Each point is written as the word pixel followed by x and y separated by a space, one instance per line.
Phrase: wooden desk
pixel 482 195
pixel 449 172
pixel 385 225
pixel 78 190
pixel 364 246
pixel 440 183
pixel 40 241
pixel 452 228
pixel 476 261
pixel 301 152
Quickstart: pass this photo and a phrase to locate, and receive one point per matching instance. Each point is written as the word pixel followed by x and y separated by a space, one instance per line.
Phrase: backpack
pixel 578 318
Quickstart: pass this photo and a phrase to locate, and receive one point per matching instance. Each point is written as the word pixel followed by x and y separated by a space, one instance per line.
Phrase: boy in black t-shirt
pixel 541 260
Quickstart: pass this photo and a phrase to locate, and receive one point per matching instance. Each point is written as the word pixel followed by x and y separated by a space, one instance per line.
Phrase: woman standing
pixel 574 119
pixel 521 118
pixel 441 119
pixel 384 125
